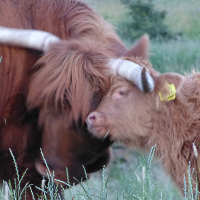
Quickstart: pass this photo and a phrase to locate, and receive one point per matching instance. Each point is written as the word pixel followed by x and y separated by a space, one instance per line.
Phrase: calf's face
pixel 124 113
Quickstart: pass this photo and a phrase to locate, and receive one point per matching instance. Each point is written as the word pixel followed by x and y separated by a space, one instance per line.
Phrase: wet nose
pixel 92 117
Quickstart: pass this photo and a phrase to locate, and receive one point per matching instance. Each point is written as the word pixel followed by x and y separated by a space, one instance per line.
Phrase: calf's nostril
pixel 92 118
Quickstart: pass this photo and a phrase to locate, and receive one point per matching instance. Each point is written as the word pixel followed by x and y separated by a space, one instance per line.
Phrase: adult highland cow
pixel 57 58
pixel 168 117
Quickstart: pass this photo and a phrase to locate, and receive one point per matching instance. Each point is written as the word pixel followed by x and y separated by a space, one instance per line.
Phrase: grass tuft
pixel 140 186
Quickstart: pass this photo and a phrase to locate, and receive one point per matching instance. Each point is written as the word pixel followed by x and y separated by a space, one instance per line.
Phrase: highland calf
pixel 169 117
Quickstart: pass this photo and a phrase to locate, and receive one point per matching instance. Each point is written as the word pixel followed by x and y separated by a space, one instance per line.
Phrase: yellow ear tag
pixel 171 95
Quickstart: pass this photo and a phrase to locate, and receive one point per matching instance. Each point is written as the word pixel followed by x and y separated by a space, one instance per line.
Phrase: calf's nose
pixel 95 119
pixel 92 117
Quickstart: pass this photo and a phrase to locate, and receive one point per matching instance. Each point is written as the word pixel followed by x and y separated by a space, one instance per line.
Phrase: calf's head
pixel 128 115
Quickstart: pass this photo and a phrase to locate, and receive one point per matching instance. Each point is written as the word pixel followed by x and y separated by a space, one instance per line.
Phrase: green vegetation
pixel 139 184
pixel 14 192
pixel 132 175
pixel 142 17
pixel 176 55
pixel 182 16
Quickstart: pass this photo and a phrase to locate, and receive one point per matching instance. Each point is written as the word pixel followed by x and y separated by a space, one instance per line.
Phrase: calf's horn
pixel 28 38
pixel 132 72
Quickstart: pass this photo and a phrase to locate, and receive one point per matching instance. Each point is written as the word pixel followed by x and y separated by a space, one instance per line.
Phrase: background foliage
pixel 143 17
pixel 178 54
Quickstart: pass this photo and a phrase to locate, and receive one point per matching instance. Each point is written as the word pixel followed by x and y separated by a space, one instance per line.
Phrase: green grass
pixel 138 182
pixel 176 56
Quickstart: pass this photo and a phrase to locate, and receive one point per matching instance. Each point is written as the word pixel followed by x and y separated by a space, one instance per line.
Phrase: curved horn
pixel 132 72
pixel 32 39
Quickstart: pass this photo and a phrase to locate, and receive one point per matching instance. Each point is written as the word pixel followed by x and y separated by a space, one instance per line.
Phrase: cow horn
pixel 28 38
pixel 132 72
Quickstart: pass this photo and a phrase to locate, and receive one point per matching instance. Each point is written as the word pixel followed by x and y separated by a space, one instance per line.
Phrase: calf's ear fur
pixel 162 81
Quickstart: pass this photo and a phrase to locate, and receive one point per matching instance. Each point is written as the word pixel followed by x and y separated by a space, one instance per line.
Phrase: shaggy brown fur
pixel 46 105
pixel 143 120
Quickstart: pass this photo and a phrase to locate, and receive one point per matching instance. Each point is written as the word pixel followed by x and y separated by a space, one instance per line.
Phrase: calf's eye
pixel 122 93
pixel 119 94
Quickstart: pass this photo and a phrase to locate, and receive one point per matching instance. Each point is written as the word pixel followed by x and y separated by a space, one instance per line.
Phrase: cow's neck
pixel 14 76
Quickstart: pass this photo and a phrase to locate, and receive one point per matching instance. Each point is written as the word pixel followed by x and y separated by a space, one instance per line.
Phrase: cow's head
pixel 128 115
pixel 67 83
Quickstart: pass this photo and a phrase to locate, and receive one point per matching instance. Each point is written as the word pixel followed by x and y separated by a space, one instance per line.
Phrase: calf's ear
pixel 140 49
pixel 166 82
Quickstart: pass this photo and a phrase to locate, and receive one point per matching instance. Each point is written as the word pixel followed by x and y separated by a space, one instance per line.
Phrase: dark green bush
pixel 144 18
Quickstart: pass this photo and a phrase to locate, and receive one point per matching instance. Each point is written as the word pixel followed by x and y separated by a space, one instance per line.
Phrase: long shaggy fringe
pixel 70 74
